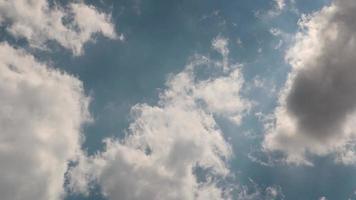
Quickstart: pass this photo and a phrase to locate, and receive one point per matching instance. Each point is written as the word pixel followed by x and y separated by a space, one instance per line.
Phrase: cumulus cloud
pixel 170 143
pixel 39 22
pixel 41 114
pixel 317 106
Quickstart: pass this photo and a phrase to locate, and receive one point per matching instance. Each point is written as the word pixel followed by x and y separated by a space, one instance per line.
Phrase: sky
pixel 177 100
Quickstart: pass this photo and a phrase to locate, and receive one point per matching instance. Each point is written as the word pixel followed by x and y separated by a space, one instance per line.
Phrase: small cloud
pixel 122 37
pixel 280 4
pixel 239 42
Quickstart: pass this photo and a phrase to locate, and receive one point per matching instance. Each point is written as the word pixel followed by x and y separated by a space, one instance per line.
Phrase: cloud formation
pixel 170 143
pixel 317 106
pixel 41 113
pixel 40 21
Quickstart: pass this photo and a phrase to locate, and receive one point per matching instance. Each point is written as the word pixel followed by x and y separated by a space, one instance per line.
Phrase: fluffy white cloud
pixel 41 114
pixel 221 96
pixel 38 22
pixel 317 106
pixel 169 143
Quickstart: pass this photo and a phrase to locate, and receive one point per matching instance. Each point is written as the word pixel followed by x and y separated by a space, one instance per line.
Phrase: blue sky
pixel 230 89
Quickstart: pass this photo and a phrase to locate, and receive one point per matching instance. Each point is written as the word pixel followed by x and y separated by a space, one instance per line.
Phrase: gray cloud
pixel 323 96
pixel 318 103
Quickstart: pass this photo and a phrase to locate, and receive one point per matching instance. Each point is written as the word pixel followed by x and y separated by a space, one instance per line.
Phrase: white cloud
pixel 239 42
pixel 41 114
pixel 280 4
pixel 220 44
pixel 282 36
pixel 317 106
pixel 278 7
pixel 39 22
pixel 222 96
pixel 168 142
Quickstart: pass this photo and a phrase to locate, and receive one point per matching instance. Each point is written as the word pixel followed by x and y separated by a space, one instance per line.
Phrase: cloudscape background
pixel 177 100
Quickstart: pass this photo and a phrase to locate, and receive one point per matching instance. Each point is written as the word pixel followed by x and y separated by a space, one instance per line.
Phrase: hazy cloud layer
pixel 41 114
pixel 317 106
pixel 167 143
pixel 39 22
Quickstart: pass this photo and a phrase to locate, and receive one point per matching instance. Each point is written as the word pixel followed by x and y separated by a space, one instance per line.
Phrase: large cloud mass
pixel 317 106
pixel 38 22
pixel 41 114
pixel 170 143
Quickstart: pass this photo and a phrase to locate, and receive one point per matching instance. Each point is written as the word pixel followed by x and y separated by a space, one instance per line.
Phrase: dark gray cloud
pixel 323 95
pixel 319 99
